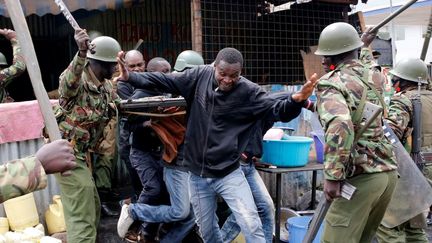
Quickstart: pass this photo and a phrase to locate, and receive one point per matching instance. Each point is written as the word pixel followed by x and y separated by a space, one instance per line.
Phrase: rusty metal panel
pixel 15 150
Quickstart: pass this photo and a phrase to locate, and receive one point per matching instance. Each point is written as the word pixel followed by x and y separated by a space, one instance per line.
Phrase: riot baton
pixel 72 21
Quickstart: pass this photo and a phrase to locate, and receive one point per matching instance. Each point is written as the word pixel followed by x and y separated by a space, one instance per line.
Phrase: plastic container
pixel 49 239
pixel 21 212
pixel 297 228
pixel 4 225
pixel 319 147
pixel 292 152
pixel 54 216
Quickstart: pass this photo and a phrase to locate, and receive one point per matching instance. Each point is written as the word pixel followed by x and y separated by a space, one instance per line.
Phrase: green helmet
pixel 411 69
pixel 106 49
pixel 188 59
pixel 338 38
pixel 3 59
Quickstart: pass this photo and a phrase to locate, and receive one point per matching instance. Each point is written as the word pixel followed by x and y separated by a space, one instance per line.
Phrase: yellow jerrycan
pixel 54 216
pixel 21 212
pixel 4 225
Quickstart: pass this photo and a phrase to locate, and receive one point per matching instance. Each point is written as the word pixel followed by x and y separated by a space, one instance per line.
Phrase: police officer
pixel 369 163
pixel 13 71
pixel 406 76
pixel 87 102
pixel 188 59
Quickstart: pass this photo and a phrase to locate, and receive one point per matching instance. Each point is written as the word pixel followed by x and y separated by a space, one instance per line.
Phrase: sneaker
pixel 124 222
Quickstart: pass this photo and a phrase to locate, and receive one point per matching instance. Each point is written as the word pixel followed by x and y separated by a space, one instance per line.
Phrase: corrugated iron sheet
pixel 42 7
pixel 10 151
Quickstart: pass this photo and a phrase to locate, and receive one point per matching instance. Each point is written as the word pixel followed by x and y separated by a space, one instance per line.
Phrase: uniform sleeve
pixel 335 116
pixel 366 56
pixel 399 115
pixel 21 176
pixel 70 80
pixel 17 67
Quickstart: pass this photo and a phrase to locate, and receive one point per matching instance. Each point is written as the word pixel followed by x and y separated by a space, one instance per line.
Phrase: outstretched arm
pixel 18 64
pixel 70 79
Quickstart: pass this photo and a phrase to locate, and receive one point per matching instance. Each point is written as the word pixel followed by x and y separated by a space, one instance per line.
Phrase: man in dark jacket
pixel 223 107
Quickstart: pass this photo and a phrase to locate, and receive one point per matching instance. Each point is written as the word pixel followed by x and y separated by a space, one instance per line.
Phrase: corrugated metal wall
pixel 15 150
pixel 164 25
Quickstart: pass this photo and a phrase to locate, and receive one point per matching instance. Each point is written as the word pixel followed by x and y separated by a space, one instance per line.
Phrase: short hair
pixel 155 62
pixel 229 55
pixel 134 53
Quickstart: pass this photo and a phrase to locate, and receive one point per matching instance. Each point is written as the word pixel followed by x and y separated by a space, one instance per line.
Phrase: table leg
pixel 313 196
pixel 278 206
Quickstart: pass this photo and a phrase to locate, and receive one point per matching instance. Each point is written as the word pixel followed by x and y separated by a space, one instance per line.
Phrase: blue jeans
pixel 263 201
pixel 236 192
pixel 179 211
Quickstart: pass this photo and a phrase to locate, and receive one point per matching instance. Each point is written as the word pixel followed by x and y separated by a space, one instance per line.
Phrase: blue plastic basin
pixel 292 152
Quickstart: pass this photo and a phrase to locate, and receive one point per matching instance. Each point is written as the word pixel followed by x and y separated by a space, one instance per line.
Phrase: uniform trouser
pixel 357 220
pixel 102 173
pixel 81 205
pixel 403 233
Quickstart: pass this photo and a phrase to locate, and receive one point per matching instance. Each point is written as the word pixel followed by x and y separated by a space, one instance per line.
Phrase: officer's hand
pixel 368 36
pixel 332 189
pixel 9 34
pixel 306 89
pixel 57 157
pixel 124 73
pixel 82 40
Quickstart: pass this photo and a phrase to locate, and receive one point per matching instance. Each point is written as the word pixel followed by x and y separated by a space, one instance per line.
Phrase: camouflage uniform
pixel 339 93
pixel 105 154
pixel 366 57
pixel 21 176
pixel 86 106
pixel 8 74
pixel 399 119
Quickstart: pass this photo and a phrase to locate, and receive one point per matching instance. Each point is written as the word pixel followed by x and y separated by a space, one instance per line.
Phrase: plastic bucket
pixel 292 152
pixel 21 212
pixel 297 228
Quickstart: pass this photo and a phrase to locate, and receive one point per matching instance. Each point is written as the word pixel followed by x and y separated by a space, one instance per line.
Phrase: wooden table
pixel 311 166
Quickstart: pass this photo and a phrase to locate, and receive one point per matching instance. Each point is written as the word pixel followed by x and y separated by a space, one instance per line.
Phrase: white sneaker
pixel 124 222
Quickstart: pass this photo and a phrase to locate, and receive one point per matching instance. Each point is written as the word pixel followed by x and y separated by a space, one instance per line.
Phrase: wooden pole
pixel 20 25
pixel 196 26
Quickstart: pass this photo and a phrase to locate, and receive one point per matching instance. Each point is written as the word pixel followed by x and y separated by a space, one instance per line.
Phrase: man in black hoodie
pixel 223 107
